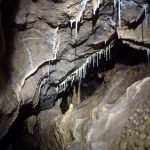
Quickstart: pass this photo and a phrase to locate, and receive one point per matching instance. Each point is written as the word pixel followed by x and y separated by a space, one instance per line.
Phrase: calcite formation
pixel 72 51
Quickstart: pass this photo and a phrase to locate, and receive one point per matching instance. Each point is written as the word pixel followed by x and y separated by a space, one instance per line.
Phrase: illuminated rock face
pixel 64 49
pixel 46 40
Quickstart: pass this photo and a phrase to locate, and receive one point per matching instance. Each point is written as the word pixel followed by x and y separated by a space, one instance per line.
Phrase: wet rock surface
pixel 98 124
pixel 33 43
pixel 99 64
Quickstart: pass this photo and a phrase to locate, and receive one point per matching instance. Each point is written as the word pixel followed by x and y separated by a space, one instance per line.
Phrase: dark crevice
pixel 120 53
pixel 8 12
pixel 14 138
pixel 137 43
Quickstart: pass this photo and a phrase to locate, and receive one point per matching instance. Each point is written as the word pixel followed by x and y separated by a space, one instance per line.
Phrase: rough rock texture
pixel 39 27
pixel 33 44
pixel 9 105
pixel 106 118
pixel 41 130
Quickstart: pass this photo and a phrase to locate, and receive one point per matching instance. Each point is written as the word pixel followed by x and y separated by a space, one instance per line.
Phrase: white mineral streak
pixel 28 51
pixel 112 22
pixel 81 72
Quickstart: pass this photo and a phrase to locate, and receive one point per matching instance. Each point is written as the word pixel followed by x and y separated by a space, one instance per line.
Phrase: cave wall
pixel 42 59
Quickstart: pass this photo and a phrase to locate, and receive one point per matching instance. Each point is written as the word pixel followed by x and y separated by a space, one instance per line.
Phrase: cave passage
pixel 16 138
pixel 120 54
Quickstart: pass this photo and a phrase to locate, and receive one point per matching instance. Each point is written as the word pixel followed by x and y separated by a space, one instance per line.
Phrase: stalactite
pixel 109 51
pixel 76 30
pixel 79 15
pixel 115 2
pixel 93 60
pixel 71 23
pixel 148 53
pixel 81 72
pixel 106 53
pixel 97 56
pixel 56 44
pixel 95 6
pixel 145 12
pixel 119 13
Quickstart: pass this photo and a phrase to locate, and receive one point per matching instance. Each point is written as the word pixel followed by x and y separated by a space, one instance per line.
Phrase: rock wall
pixel 72 50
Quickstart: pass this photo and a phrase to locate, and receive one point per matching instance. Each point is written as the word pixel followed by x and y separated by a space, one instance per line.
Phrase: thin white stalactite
pixel 109 51
pixel 81 72
pixel 145 12
pixel 79 15
pixel 97 58
pixel 115 2
pixel 148 54
pixel 56 44
pixel 95 6
pixel 106 53
pixel 119 13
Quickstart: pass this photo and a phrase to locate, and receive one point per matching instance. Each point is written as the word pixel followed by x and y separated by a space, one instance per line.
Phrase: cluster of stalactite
pixel 92 60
